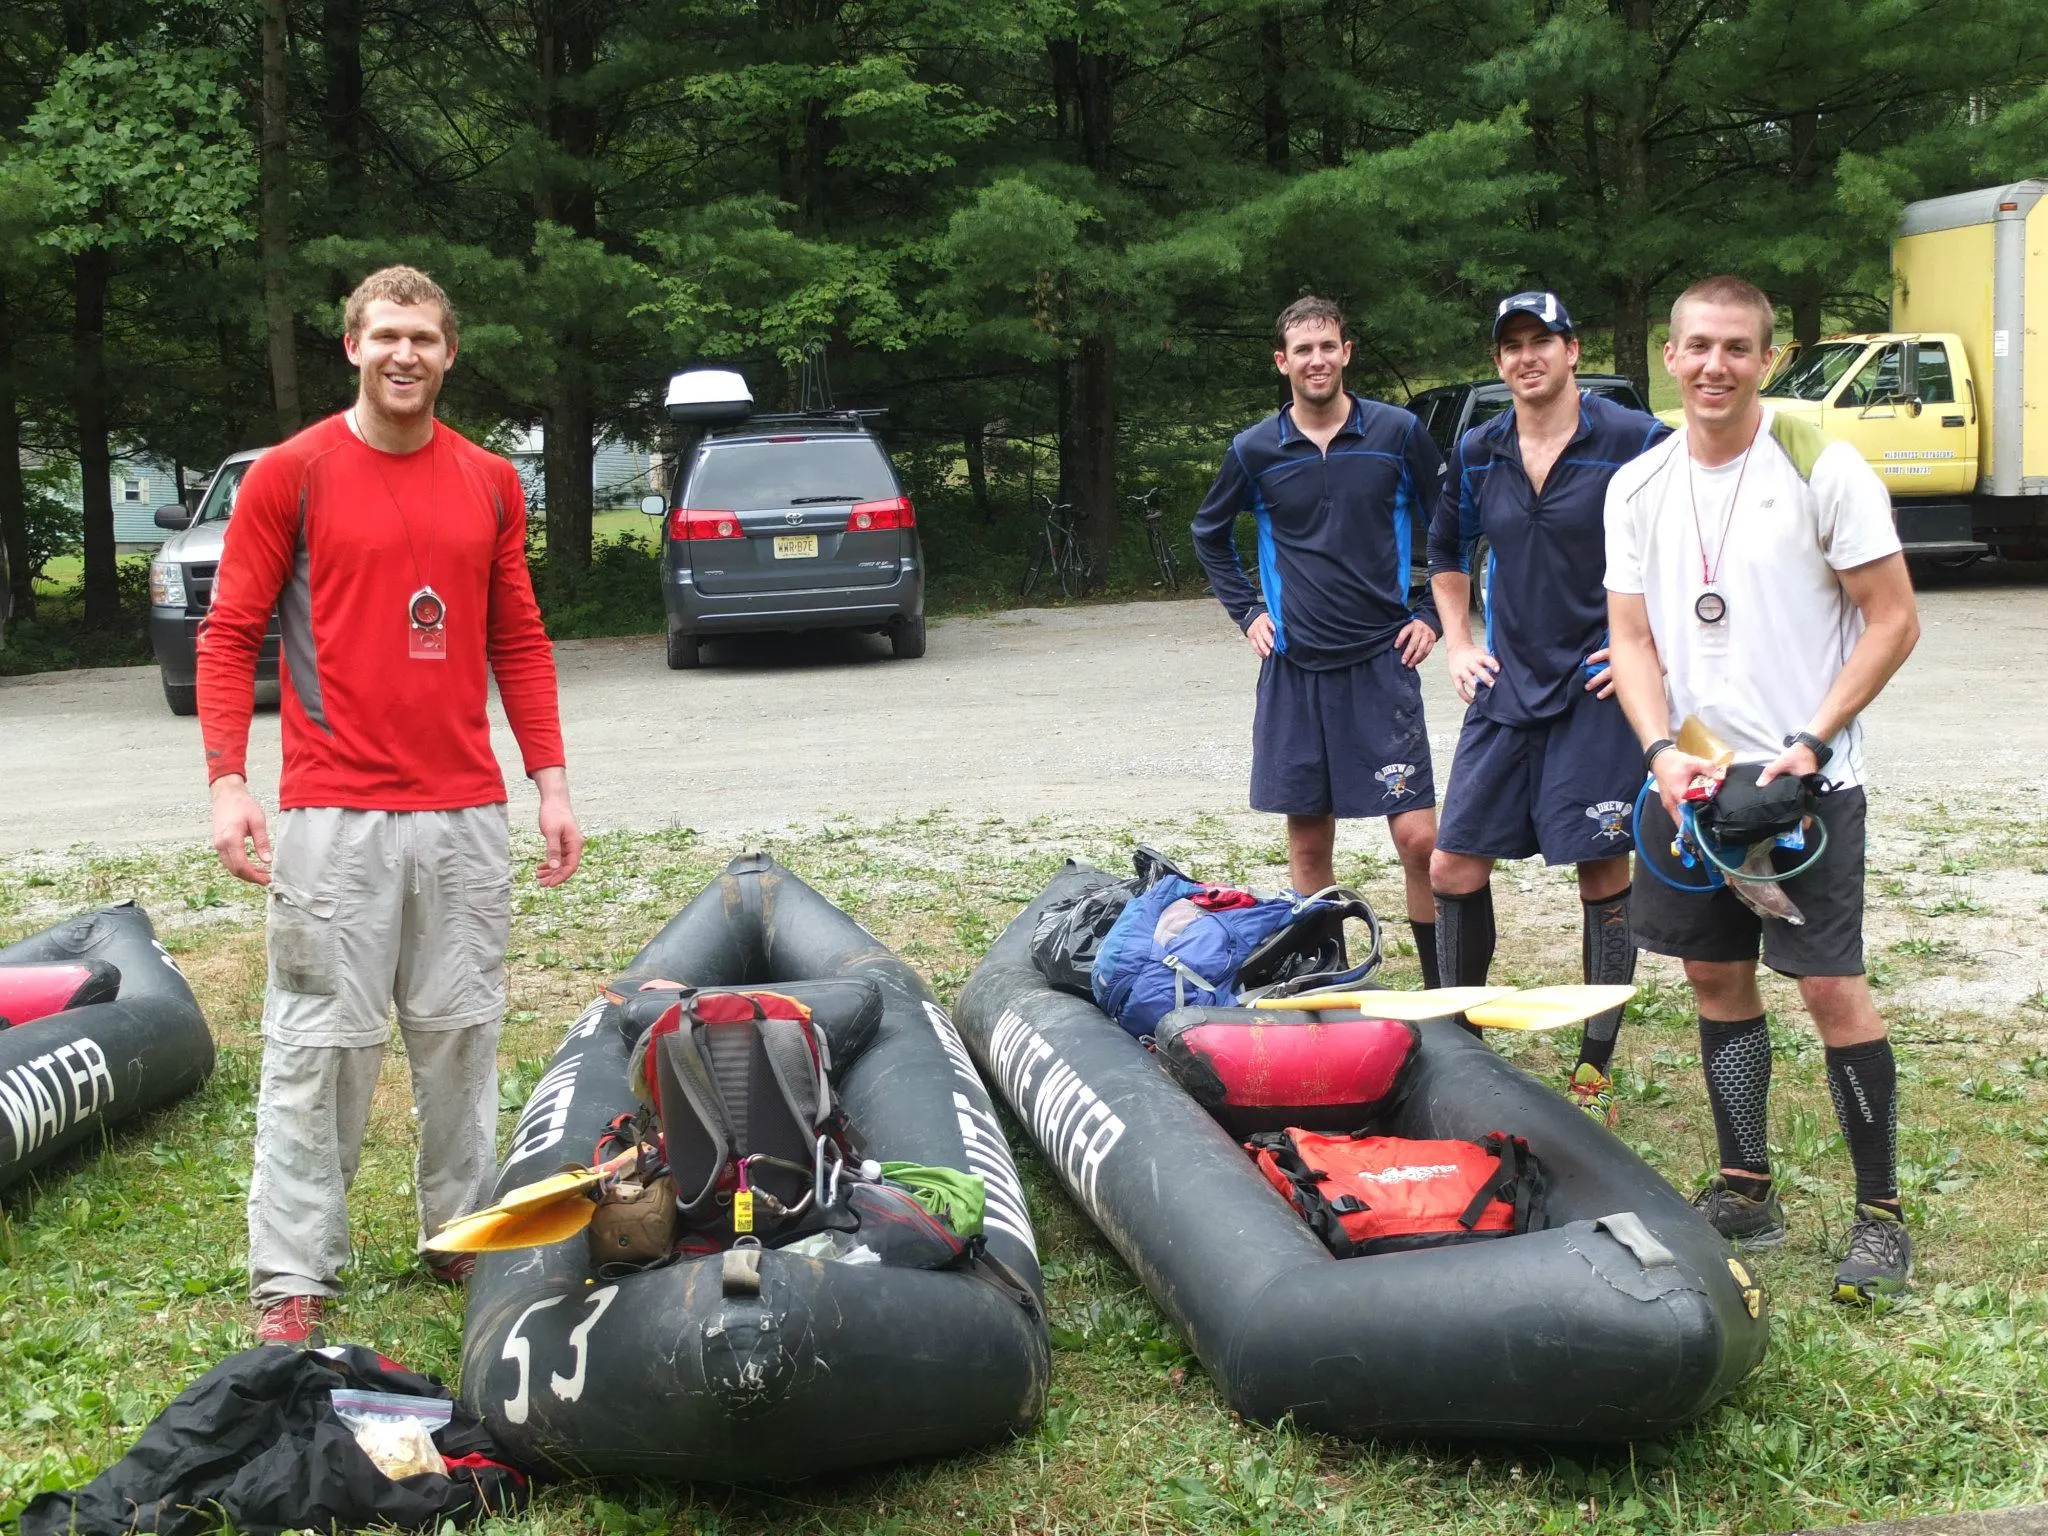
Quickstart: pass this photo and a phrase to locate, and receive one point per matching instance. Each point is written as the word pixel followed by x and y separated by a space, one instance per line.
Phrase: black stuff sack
pixel 256 1443
pixel 1070 933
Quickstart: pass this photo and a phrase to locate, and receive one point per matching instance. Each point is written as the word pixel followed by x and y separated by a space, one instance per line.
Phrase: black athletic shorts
pixel 1347 742
pixel 1717 926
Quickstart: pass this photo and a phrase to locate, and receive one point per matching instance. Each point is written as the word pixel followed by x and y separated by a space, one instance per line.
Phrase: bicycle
pixel 1058 550
pixel 1155 537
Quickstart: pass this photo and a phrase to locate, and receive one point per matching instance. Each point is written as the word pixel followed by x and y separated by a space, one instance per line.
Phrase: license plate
pixel 796 546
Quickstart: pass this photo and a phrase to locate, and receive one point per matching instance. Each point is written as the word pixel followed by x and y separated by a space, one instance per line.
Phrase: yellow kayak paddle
pixel 1537 1008
pixel 545 1211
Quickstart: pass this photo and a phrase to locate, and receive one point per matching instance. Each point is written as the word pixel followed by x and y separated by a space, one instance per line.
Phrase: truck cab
pixel 1908 404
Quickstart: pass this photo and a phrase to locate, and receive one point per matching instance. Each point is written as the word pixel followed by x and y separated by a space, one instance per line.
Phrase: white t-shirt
pixel 1809 507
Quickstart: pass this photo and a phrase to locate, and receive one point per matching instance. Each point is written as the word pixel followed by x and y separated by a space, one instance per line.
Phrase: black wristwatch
pixel 1661 744
pixel 1821 750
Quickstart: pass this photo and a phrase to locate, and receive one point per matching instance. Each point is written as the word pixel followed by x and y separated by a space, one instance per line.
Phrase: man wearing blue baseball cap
pixel 1546 762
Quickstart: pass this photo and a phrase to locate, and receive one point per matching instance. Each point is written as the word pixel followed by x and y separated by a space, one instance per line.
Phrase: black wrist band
pixel 1820 749
pixel 1661 744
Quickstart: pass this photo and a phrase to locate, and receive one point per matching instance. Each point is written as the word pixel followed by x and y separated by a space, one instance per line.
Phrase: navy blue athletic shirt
pixel 1337 532
pixel 1546 602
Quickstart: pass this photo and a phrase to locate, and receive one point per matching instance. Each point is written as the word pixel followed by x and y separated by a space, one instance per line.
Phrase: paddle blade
pixel 561 1200
pixel 1549 1007
pixel 1410 1007
pixel 497 1229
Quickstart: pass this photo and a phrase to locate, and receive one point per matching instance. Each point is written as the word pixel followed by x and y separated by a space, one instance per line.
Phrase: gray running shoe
pixel 1749 1223
pixel 1879 1260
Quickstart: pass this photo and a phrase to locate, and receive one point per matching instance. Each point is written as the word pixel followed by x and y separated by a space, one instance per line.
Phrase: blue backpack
pixel 1180 943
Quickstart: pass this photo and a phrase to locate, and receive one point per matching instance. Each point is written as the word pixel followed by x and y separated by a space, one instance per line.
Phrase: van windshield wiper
pixel 805 501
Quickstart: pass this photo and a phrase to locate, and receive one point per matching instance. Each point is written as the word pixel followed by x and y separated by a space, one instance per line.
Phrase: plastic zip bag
pixel 396 1431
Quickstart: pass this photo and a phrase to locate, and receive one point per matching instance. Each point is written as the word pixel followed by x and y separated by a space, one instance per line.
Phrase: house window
pixel 131 490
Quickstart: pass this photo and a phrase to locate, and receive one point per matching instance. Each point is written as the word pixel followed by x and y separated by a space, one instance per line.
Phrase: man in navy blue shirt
pixel 1336 487
pixel 1546 762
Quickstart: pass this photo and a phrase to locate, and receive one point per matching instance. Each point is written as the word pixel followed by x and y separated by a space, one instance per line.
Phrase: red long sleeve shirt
pixel 337 536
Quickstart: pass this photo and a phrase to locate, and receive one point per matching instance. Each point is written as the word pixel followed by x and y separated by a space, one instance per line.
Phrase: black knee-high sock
pixel 1863 1081
pixel 1464 937
pixel 1737 1060
pixel 1425 952
pixel 1607 953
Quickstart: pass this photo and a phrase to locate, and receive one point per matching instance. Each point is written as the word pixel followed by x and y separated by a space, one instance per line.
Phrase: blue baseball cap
pixel 1547 307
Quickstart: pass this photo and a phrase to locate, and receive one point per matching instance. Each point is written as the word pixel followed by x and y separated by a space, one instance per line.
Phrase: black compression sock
pixel 1736 1057
pixel 1607 954
pixel 1465 937
pixel 1863 1081
pixel 1425 951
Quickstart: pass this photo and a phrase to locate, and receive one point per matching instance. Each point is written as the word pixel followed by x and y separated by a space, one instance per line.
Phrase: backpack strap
pixel 1513 1182
pixel 699 1143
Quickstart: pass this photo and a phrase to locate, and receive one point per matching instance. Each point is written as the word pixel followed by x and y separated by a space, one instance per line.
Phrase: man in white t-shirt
pixel 1755 563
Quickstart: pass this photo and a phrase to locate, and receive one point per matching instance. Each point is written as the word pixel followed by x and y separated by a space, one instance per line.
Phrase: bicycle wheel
pixel 1162 556
pixel 1063 566
pixel 1035 569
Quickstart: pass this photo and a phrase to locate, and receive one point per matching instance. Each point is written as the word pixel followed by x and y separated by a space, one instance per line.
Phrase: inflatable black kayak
pixel 673 1372
pixel 1626 1316
pixel 96 1026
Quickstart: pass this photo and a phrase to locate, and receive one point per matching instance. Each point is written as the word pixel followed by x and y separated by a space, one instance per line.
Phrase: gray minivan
pixel 181 584
pixel 787 523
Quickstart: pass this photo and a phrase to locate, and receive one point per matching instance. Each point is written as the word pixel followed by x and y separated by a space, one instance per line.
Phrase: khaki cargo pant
pixel 371 910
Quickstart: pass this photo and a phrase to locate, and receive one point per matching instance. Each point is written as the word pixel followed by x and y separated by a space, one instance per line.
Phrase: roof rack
pixel 848 420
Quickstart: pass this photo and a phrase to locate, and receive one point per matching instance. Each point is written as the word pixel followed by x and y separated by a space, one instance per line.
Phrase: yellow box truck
pixel 1950 406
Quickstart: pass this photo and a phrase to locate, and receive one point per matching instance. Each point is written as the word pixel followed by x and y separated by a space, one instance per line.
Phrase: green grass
pixel 121 1275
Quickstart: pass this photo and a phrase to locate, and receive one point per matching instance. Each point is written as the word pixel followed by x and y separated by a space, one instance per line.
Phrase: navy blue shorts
pixel 1565 788
pixel 1348 742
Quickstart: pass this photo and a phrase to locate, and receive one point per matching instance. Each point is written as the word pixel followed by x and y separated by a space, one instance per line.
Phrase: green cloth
pixel 954 1197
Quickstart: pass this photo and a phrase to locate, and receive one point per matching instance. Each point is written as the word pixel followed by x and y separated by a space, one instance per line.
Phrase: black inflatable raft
pixel 1627 1316
pixel 661 1372
pixel 96 1026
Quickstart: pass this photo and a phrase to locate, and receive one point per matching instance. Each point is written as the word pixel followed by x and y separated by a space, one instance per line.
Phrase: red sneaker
pixel 456 1271
pixel 293 1322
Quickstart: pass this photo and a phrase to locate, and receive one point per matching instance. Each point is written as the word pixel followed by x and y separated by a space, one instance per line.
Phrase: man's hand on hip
pixel 239 828
pixel 1260 633
pixel 1472 669
pixel 1416 641
pixel 558 828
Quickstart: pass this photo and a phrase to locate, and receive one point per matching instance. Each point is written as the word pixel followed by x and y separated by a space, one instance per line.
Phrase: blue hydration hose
pixel 1718 866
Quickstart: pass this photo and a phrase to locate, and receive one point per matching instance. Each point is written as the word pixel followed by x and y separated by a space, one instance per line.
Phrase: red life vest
pixel 1383 1194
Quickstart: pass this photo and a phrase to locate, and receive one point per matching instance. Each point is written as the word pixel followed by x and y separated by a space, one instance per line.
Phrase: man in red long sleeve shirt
pixel 394 553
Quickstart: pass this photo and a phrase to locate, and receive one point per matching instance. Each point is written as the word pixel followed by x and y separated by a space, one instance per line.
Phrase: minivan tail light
pixel 699 523
pixel 868 516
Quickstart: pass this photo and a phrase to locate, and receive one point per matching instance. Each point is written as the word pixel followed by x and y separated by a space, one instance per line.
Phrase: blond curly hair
pixel 399 285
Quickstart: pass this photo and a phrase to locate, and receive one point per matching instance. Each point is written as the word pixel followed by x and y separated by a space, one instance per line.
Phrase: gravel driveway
pixel 1114 712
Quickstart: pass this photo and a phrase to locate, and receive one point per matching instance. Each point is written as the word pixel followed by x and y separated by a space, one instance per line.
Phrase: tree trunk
pixel 341 57
pixel 1804 288
pixel 91 273
pixel 1632 332
pixel 567 461
pixel 1092 478
pixel 1632 192
pixel 1273 89
pixel 567 42
pixel 19 602
pixel 1334 128
pixel 276 171
pixel 974 446
pixel 1095 436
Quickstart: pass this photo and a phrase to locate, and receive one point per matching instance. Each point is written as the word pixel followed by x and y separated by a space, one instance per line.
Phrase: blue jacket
pixel 1337 532
pixel 1546 602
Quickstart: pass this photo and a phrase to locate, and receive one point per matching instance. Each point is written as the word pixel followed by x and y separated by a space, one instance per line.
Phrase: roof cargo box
pixel 709 397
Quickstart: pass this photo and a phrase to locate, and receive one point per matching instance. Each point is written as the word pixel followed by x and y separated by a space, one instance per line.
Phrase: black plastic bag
pixel 1742 813
pixel 255 1442
pixel 1069 933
